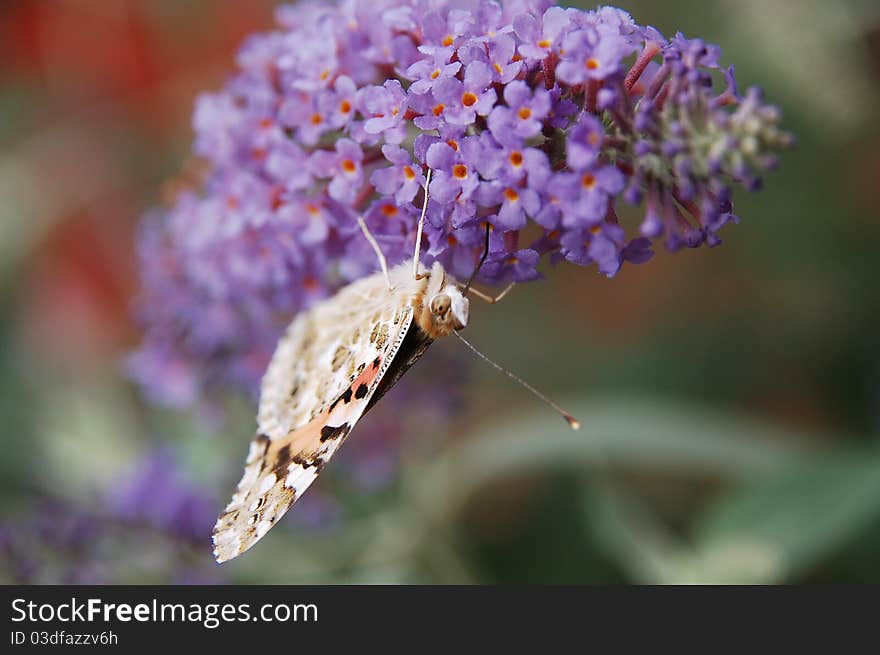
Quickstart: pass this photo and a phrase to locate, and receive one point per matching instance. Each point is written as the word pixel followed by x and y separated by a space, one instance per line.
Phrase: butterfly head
pixel 446 308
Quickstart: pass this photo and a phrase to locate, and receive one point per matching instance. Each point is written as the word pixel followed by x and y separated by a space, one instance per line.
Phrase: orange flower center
pixel 315 119
pixel 389 210
pixel 544 43
pixel 592 64
pixel 435 74
pixel 469 99
pixel 348 166
pixel 516 158
pixel 266 123
pixel 277 199
pixel 438 108
pixel 313 210
pixel 588 181
pixel 409 173
pixel 345 106
pixel 447 41
pixel 524 113
pixel 452 143
pixel 511 195
pixel 460 171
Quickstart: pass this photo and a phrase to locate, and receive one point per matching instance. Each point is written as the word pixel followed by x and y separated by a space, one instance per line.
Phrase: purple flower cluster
pixel 158 494
pixel 152 510
pixel 548 125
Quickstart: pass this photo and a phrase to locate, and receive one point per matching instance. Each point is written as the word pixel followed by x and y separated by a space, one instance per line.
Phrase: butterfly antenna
pixel 482 260
pixel 421 227
pixel 572 421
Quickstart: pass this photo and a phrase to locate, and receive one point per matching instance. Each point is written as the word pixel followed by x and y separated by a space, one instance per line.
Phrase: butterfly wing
pixel 319 383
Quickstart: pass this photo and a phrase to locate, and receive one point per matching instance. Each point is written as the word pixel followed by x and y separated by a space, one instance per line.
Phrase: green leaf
pixel 794 519
pixel 617 432
pixel 630 535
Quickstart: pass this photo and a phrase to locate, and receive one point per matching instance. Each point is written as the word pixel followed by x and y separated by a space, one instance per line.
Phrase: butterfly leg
pixel 420 228
pixel 382 263
pixel 490 299
pixel 479 294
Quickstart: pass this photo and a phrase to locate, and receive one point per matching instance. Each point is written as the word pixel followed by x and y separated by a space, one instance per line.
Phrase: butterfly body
pixel 332 364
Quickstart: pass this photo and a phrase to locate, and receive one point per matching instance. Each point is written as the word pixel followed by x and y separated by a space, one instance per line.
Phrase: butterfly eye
pixel 440 305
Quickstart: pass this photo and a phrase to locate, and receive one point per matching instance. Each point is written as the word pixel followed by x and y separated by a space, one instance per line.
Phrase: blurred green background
pixel 730 397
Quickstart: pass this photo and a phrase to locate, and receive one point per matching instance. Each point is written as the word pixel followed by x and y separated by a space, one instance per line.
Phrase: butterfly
pixel 332 365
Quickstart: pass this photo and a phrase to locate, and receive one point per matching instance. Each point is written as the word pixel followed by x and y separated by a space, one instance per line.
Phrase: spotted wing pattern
pixel 318 384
